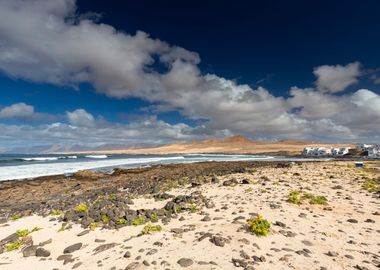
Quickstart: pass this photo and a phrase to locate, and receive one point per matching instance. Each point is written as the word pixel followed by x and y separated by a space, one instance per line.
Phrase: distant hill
pixel 230 145
pixel 74 148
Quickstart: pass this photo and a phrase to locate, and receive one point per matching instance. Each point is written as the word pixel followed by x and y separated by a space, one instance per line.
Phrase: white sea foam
pixel 36 170
pixel 96 156
pixel 13 172
pixel 40 158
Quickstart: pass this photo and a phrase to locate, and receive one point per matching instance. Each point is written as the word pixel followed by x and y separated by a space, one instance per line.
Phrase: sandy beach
pixel 205 224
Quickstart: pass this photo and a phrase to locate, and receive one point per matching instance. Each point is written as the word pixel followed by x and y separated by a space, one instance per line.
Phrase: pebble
pixel 352 220
pixel 72 248
pixel 332 254
pixel 185 262
pixel 41 252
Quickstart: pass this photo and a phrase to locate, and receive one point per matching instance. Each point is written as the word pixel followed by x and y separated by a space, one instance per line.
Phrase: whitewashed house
pixel 364 147
pixel 343 151
pixel 374 152
pixel 325 151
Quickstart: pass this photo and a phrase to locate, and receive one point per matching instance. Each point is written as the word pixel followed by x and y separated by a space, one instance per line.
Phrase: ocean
pixel 25 166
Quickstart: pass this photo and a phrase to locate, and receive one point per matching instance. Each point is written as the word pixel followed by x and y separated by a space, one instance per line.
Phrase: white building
pixel 374 152
pixel 325 151
pixel 364 147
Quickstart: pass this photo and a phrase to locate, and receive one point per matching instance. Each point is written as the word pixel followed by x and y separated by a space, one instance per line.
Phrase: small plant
pixel 299 197
pixel 318 200
pixel 36 229
pixel 22 233
pixel 93 226
pixel 154 217
pixel 149 229
pixel 105 219
pixel 307 196
pixel 80 208
pixel 12 246
pixel 138 221
pixel 193 208
pixel 122 221
pixel 294 197
pixel 112 196
pixel 56 212
pixel 16 217
pixel 248 190
pixel 371 186
pixel 259 226
pixel 62 228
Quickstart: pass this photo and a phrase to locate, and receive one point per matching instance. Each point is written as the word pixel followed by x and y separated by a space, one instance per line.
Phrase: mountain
pixel 73 148
pixel 230 145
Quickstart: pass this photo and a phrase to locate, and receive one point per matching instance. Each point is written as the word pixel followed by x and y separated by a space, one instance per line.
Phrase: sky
pixel 147 72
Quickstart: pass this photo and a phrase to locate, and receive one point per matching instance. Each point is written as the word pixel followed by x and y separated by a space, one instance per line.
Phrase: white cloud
pixel 145 130
pixel 44 41
pixel 17 110
pixel 80 117
pixel 333 79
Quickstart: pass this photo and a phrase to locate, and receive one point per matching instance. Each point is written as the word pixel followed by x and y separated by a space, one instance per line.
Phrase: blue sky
pixel 142 72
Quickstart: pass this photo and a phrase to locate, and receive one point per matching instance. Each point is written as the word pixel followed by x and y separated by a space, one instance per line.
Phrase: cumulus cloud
pixel 80 117
pixel 17 110
pixel 23 112
pixel 47 41
pixel 334 79
pixel 147 129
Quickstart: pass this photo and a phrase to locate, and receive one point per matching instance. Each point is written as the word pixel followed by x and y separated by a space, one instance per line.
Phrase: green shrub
pixel 149 229
pixel 15 245
pixel 56 212
pixel 371 186
pixel 138 221
pixel 299 197
pixel 122 221
pixel 318 200
pixel 81 208
pixel 294 197
pixel 112 196
pixel 259 226
pixel 62 228
pixel 105 219
pixel 193 208
pixel 23 233
pixel 154 217
pixel 16 217
pixel 93 226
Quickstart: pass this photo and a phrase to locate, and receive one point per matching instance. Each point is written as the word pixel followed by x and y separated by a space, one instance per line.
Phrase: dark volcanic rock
pixel 29 251
pixel 218 241
pixel 72 248
pixel 239 263
pixel 104 247
pixel 41 252
pixel 185 262
pixel 352 220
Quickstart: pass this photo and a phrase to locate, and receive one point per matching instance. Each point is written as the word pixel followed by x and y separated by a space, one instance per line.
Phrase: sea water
pixel 13 167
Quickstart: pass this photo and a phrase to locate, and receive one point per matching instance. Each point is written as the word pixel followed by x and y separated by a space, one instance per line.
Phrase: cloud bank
pixel 47 41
